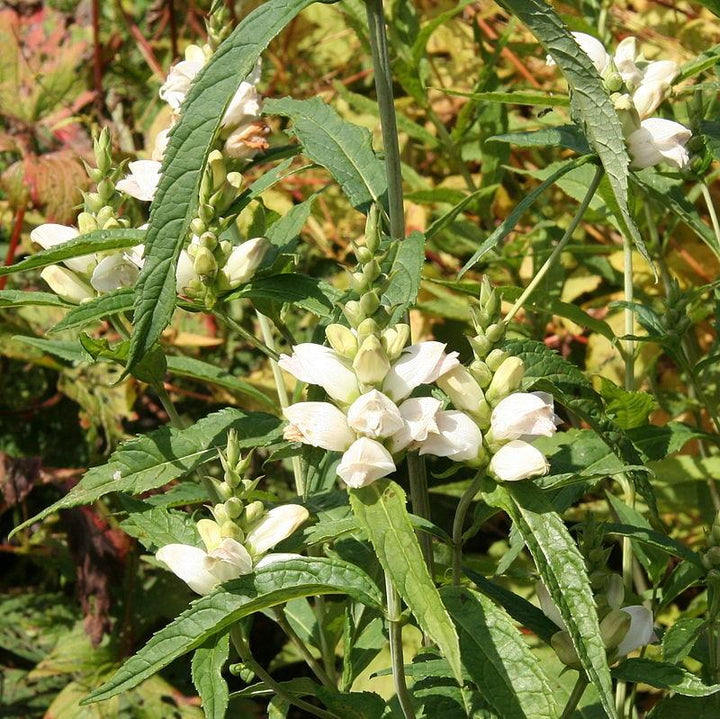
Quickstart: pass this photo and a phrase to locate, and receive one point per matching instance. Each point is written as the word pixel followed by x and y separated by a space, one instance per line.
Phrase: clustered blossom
pixel 639 87
pixel 240 535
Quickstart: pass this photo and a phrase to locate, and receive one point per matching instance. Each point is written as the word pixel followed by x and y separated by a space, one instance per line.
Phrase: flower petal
pixel 458 437
pixel 518 460
pixel 418 414
pixel 365 462
pixel 316 364
pixel 319 424
pixel 374 415
pixel 640 632
pixel 419 364
pixel 188 563
pixel 278 524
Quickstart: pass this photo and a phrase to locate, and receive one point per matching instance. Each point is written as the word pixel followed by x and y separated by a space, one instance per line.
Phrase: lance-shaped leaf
pixel 590 103
pixel 176 198
pixel 562 569
pixel 341 147
pixel 152 460
pixel 207 665
pixel 664 676
pixel 267 587
pixel 97 309
pixel 20 298
pixel 381 511
pixel 498 660
pixel 87 244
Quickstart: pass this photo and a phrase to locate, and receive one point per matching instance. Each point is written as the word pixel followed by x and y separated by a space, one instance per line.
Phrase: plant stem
pixel 243 650
pixel 396 650
pixel 713 215
pixel 14 240
pixel 458 524
pixel 302 648
pixel 388 123
pixel 559 247
pixel 236 327
pixel 169 407
pixel 575 697
pixel 282 394
pixel 629 344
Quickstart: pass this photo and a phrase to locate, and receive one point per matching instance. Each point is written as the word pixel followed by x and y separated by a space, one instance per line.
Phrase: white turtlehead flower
pixel 181 76
pixel 457 437
pixel 161 142
pixel 462 388
pixel 243 260
pixel 518 460
pixel 365 462
pixel 316 364
pixel 67 284
pixel 278 524
pixel 593 48
pixel 626 60
pixel 142 180
pixel 319 424
pixel 374 415
pixel 121 269
pixel 656 80
pixel 641 630
pixel 202 571
pixel 245 104
pixel 418 364
pixel 524 414
pixel 549 607
pixel 247 139
pixel 418 415
pixel 50 235
pixel 184 272
pixel 659 140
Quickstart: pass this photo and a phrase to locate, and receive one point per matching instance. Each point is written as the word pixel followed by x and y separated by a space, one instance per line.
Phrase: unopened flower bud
pixel 367 328
pixel 221 516
pixel 371 271
pixel 358 282
pixel 224 490
pixel 372 229
pixel 105 189
pixel 244 260
pixel 205 262
pixel 230 530
pixel 206 213
pixel 563 646
pixel 507 379
pixel 93 201
pixel 363 254
pixel 253 512
pixel 463 390
pixel 234 507
pixel 371 363
pixel 714 537
pixel 354 313
pixel 197 226
pixel 342 340
pixel 369 303
pixel 216 164
pixel 614 627
pixel 615 591
pixel 613 82
pixel 66 284
pixel 495 359
pixel 106 213
pixel 481 372
pixel 495 332
pixel 209 240
pixel 209 532
pixel 394 340
pixel 711 558
pixel 481 345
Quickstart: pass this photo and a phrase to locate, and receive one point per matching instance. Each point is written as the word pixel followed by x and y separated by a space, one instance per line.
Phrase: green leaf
pixel 442 222
pixel 152 460
pixel 590 102
pixel 381 511
pixel 301 291
pixel 87 244
pixel 562 570
pixel 155 527
pixel 97 309
pixel 495 655
pixel 21 298
pixel 664 676
pixel 406 271
pixel 176 198
pixel 341 147
pixel 629 410
pixel 680 707
pixel 521 97
pixel 651 538
pixel 267 587
pixel 679 640
pixel 206 671
pixel 507 225
pixel 206 372
pixel 567 136
pixel 288 227
pixel 355 705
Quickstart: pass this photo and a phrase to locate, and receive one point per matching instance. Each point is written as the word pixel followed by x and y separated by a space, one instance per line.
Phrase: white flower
pixel 246 140
pixel 50 235
pixel 458 437
pixel 202 571
pixel 518 460
pixel 625 59
pixel 549 607
pixel 278 524
pixel 657 78
pixel 374 415
pixel 115 271
pixel 659 140
pixel 523 414
pixel 319 424
pixel 593 48
pixel 181 76
pixel 244 104
pixel 142 181
pixel 419 421
pixel 462 388
pixel 184 272
pixel 365 462
pixel 276 558
pixel 161 143
pixel 243 260
pixel 421 363
pixel 316 364
pixel 640 632
pixel 67 284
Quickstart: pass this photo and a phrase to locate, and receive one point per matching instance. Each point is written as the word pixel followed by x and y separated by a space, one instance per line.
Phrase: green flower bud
pixel 197 226
pixel 371 271
pixel 615 591
pixel 220 514
pixel 209 532
pixel 369 303
pixel 481 345
pixel 363 254
pixel 495 359
pixel 206 213
pixel 614 627
pixel 253 512
pixel 563 646
pixel 371 363
pixel 232 449
pixel 109 224
pixel 481 372
pixel 93 201
pixel 394 340
pixel 342 340
pixel 105 189
pixel 711 558
pixel 507 379
pixel 218 172
pixel 358 282
pixel 613 82
pixel 495 332
pixel 372 229
pixel 234 507
pixel 106 213
pixel 367 328
pixel 86 223
pixel 230 530
pixel 209 240
pixel 205 262
pixel 354 313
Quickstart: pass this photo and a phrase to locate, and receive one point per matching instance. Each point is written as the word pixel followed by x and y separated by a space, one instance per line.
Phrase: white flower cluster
pixel 650 140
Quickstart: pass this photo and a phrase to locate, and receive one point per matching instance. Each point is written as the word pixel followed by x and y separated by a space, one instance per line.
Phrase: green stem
pixel 166 401
pixel 388 123
pixel 458 524
pixel 559 247
pixel 266 331
pixel 302 648
pixel 451 148
pixel 243 650
pixel 396 650
pixel 575 697
pixel 236 327
pixel 713 215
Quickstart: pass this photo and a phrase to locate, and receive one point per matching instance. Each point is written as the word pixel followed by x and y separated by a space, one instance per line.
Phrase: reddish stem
pixel 173 29
pixel 97 56
pixel 14 240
